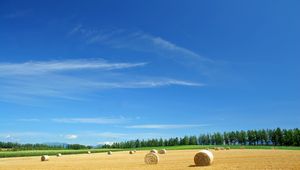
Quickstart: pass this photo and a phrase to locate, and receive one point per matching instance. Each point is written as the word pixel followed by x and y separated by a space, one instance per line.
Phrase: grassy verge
pixel 186 147
pixel 5 154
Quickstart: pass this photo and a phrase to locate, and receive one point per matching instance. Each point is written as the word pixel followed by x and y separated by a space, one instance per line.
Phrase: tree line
pixel 18 146
pixel 275 137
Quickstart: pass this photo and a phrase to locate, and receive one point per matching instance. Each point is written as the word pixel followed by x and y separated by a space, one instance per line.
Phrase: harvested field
pixel 175 159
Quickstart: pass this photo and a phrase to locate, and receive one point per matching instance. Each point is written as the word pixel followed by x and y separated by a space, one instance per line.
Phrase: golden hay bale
pixel 134 151
pixel 109 152
pixel 217 148
pixel 153 151
pixel 58 155
pixel 227 148
pixel 131 152
pixel 151 158
pixel 45 158
pixel 222 148
pixel 203 158
pixel 163 151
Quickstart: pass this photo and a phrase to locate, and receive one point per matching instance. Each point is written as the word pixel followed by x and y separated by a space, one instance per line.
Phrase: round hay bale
pixel 163 151
pixel 222 148
pixel 203 158
pixel 45 158
pixel 134 151
pixel 217 148
pixel 153 151
pixel 131 152
pixel 151 158
pixel 89 152
pixel 228 148
pixel 58 155
pixel 109 152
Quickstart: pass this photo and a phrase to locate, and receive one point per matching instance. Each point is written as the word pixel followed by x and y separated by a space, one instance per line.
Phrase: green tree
pixel 278 137
pixel 193 140
pixel 226 138
pixel 219 140
pixel 242 137
pixel 232 138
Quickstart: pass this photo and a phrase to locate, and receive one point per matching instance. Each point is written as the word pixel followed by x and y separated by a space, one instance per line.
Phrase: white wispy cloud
pixel 156 82
pixel 71 136
pixel 35 67
pixel 167 82
pixel 118 136
pixel 166 126
pixel 100 137
pixel 91 120
pixel 7 137
pixel 105 143
pixel 35 136
pixel 167 47
pixel 24 134
pixel 108 135
pixel 72 79
pixel 140 41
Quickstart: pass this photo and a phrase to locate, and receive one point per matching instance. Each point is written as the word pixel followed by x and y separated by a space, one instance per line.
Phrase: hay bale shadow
pixel 194 166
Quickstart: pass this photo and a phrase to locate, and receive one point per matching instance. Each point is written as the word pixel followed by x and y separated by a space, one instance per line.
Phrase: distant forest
pixel 275 137
pixel 17 146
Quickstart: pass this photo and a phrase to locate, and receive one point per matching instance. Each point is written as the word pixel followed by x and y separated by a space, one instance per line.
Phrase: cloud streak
pixel 110 135
pixel 29 68
pixel 105 143
pixel 140 41
pixel 71 136
pixel 73 79
pixel 91 120
pixel 158 47
pixel 15 135
pixel 166 126
pixel 116 136
pixel 147 84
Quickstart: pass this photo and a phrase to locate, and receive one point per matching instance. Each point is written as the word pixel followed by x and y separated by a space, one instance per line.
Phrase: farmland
pixel 174 159
pixel 25 153
pixel 5 154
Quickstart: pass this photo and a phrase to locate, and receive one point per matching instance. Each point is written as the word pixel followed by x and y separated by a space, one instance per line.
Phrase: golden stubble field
pixel 173 160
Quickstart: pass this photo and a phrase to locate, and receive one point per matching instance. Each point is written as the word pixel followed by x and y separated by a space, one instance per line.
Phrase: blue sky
pixel 95 72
